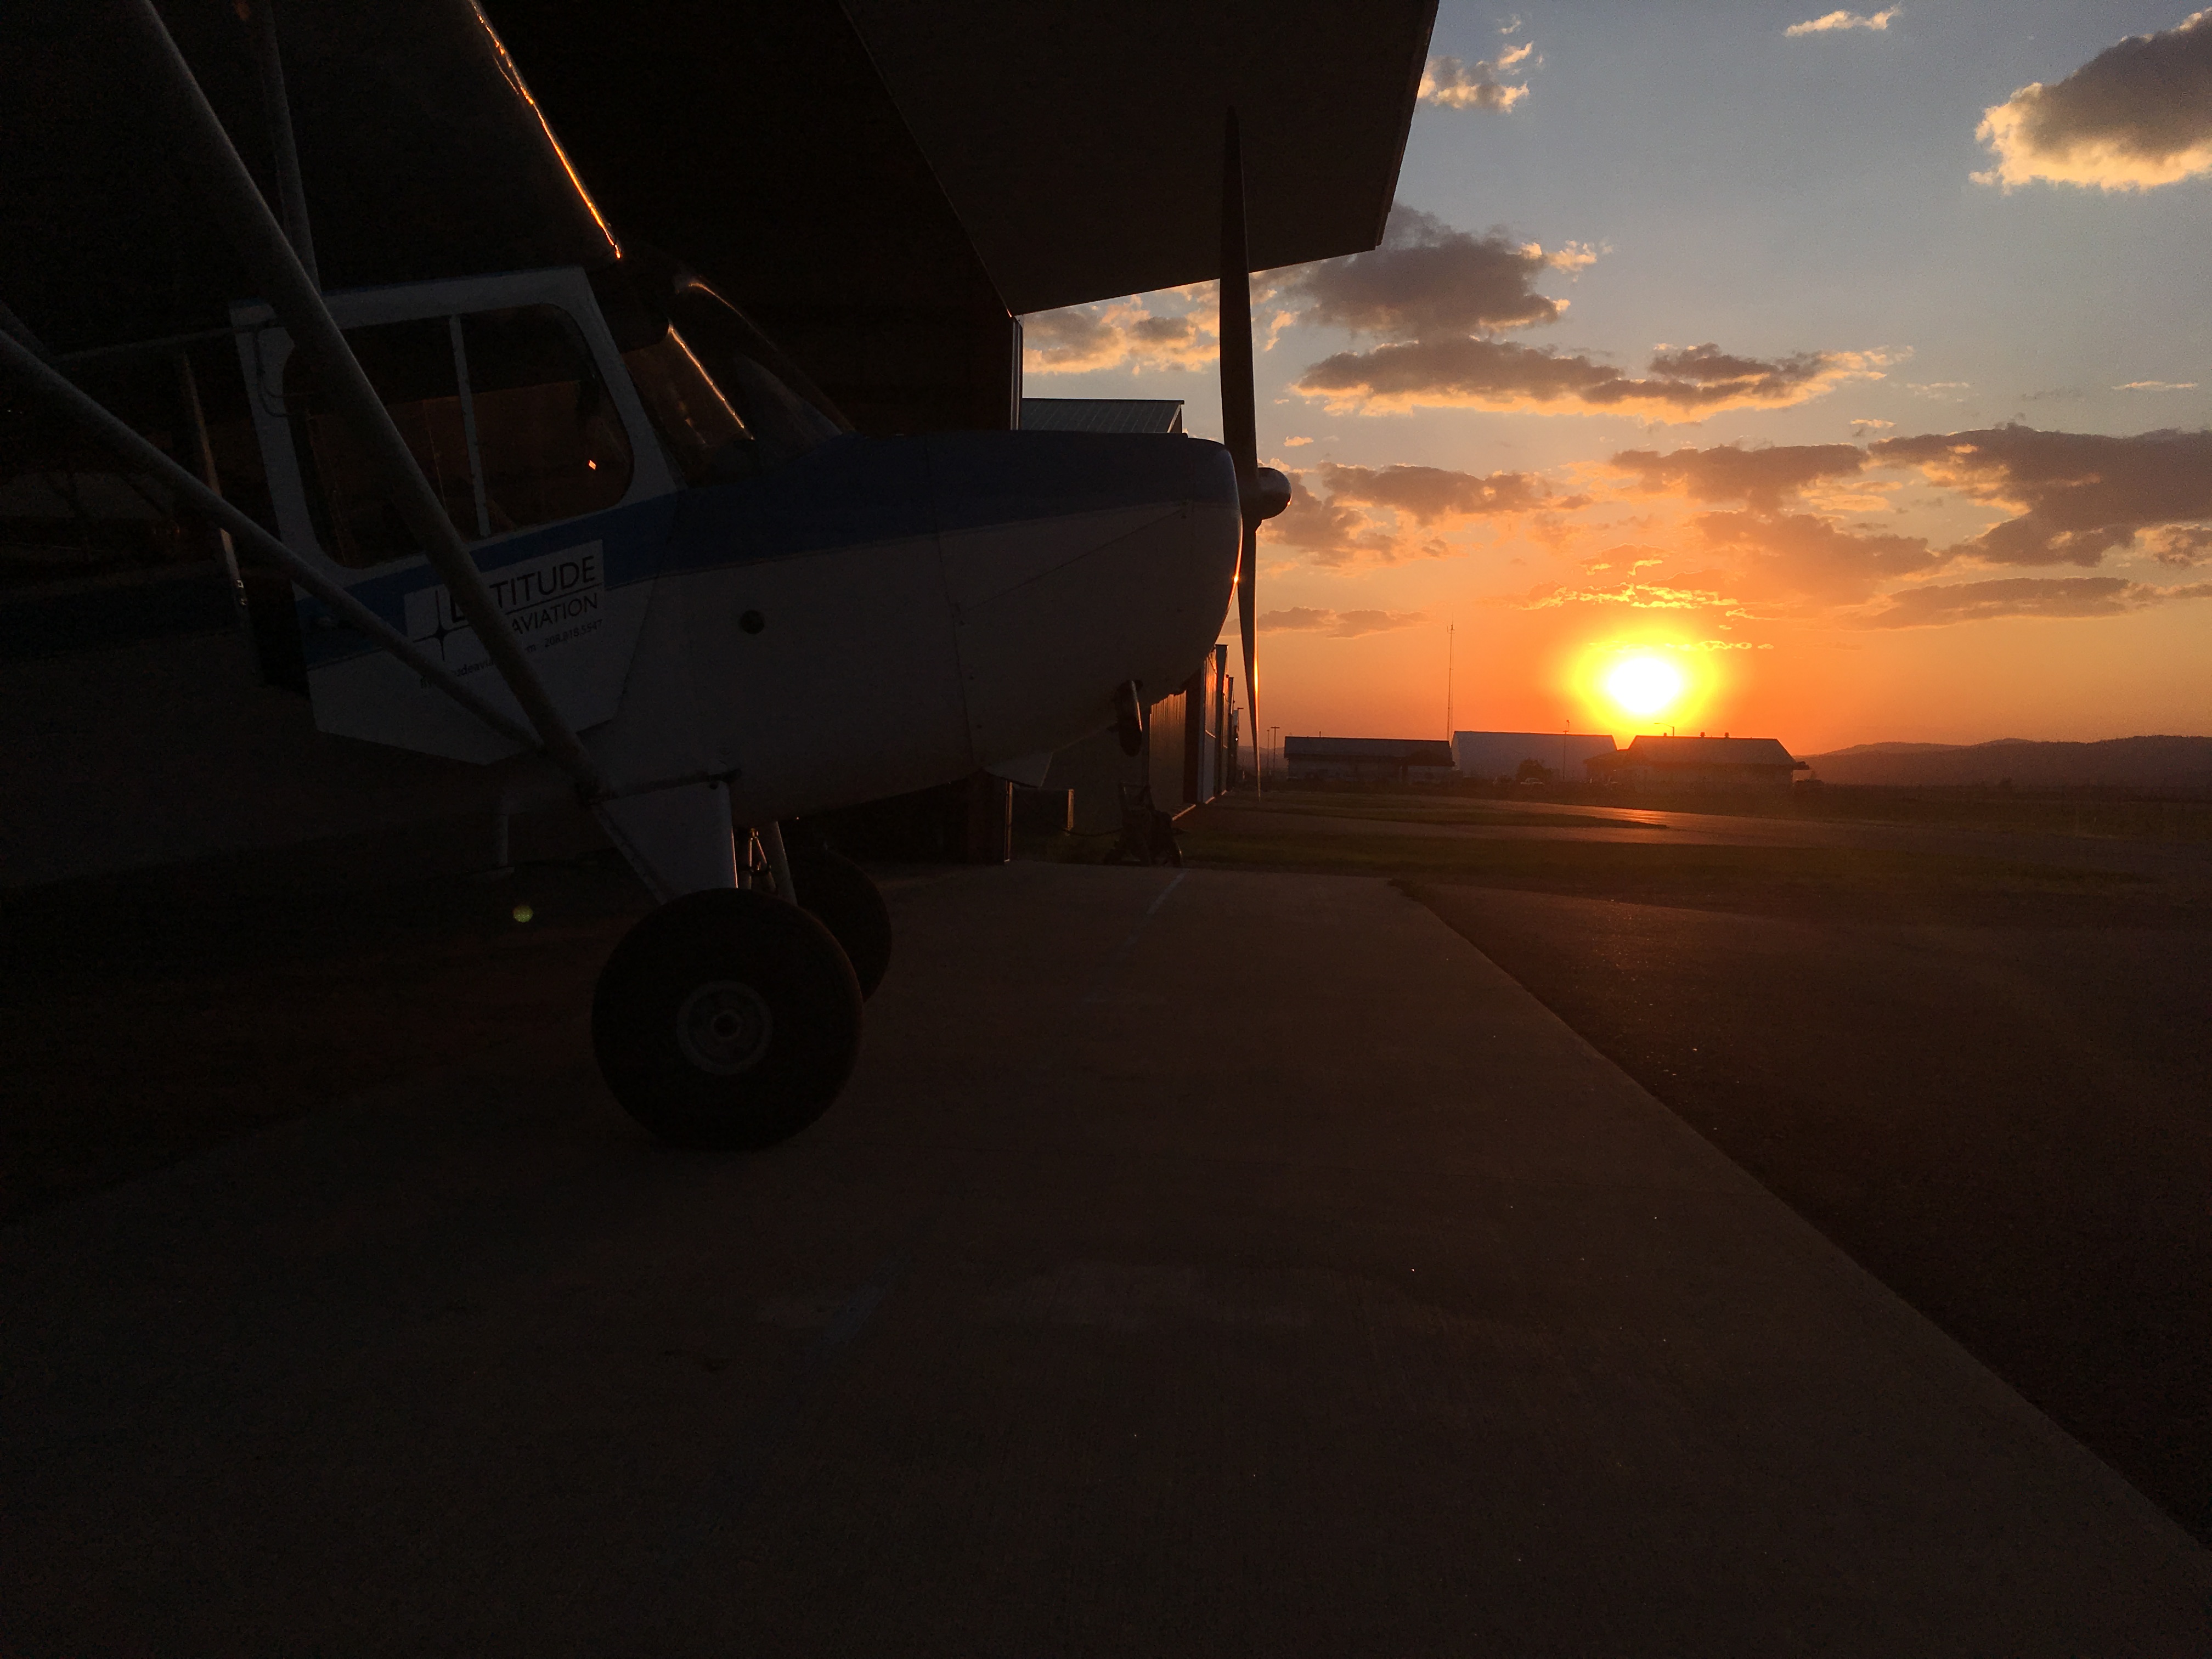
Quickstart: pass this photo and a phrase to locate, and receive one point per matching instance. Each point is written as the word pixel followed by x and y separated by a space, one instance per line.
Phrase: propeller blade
pixel 1239 406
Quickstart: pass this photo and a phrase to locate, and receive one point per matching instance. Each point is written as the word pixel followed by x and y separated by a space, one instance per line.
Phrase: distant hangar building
pixel 1698 762
pixel 1491 755
pixel 1367 760
pixel 1102 415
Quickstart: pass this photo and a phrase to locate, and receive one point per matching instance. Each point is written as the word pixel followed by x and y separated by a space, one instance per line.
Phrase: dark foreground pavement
pixel 2008 1125
pixel 1211 1264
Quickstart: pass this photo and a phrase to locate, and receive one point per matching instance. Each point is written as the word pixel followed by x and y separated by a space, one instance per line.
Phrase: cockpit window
pixel 550 443
pixel 705 439
pixel 502 409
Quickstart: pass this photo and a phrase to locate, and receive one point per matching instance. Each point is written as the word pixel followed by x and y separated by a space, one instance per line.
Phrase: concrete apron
pixel 1203 1263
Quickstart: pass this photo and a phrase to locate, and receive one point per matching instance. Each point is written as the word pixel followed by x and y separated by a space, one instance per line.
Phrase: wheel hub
pixel 724 1027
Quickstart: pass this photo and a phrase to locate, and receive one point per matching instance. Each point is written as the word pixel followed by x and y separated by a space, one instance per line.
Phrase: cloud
pixel 1334 532
pixel 2076 495
pixel 1116 334
pixel 1338 624
pixel 1368 512
pixel 2136 116
pixel 1836 21
pixel 2180 544
pixel 1427 494
pixel 1636 596
pixel 1455 85
pixel 1801 555
pixel 2157 386
pixel 1770 550
pixel 1427 278
pixel 2023 595
pixel 1478 374
pixel 1761 478
pixel 1436 297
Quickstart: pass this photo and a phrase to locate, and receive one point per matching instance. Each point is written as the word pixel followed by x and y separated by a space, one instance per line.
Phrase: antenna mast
pixel 1451 640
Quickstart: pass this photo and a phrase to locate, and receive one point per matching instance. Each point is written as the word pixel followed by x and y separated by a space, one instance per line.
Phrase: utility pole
pixel 1451 632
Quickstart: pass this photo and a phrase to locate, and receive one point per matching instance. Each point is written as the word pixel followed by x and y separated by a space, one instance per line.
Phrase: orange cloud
pixel 1116 334
pixel 1338 624
pixel 2180 544
pixel 1428 278
pixel 1367 510
pixel 2077 495
pixel 1801 556
pixel 1636 596
pixel 1427 493
pixel 2023 595
pixel 1835 21
pixel 1455 85
pixel 1437 298
pixel 1688 383
pixel 1759 477
pixel 2136 116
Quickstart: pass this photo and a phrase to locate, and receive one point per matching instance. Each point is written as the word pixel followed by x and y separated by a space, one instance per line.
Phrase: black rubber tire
pixel 843 896
pixel 715 950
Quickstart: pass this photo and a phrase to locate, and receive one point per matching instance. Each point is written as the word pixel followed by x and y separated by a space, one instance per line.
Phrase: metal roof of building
pixel 1102 414
pixel 1708 751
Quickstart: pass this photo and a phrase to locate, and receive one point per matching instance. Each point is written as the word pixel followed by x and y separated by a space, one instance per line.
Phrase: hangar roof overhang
pixel 880 182
pixel 1081 145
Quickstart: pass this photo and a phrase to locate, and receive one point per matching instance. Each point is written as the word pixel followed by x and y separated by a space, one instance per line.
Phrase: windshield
pixel 502 409
pixel 706 441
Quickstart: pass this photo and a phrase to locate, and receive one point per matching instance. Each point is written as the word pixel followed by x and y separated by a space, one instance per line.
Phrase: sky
pixel 1853 366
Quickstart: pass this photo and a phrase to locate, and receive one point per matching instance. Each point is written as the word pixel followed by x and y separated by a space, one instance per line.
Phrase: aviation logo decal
pixel 577 627
pixel 550 602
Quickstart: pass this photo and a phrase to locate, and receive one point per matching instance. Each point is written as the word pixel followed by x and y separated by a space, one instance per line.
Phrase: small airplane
pixel 597 517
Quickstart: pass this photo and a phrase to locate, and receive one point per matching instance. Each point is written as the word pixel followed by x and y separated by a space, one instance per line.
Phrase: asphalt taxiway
pixel 1199 1262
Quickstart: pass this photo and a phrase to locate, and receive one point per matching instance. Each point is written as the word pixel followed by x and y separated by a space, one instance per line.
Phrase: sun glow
pixel 1643 686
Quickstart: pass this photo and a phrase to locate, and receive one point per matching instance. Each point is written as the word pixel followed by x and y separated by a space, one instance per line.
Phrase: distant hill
pixel 2117 762
pixel 1900 748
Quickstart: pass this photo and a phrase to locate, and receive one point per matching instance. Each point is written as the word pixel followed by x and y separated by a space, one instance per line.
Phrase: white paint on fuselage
pixel 980 564
pixel 868 677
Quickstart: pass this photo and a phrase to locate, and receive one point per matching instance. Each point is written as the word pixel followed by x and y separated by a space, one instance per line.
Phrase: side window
pixel 411 366
pixel 549 443
pixel 703 435
pixel 502 409
pixel 69 514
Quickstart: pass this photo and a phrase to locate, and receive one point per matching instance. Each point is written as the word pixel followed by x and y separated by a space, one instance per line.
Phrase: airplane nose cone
pixel 1271 493
pixel 1075 562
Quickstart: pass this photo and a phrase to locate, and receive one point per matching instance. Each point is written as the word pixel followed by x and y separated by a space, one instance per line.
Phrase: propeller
pixel 1261 491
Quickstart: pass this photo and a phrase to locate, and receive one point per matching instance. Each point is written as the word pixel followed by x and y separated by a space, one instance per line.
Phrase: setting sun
pixel 1644 686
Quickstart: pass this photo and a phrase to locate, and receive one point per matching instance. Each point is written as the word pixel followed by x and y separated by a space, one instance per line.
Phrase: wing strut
pixel 239 208
pixel 134 451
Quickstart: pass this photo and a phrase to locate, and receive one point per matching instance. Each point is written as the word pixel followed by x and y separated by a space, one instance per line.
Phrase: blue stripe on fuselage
pixel 849 492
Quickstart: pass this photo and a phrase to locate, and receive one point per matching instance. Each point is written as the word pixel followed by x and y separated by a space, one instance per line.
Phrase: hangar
pixel 1367 760
pixel 1698 762
pixel 885 187
pixel 1495 755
